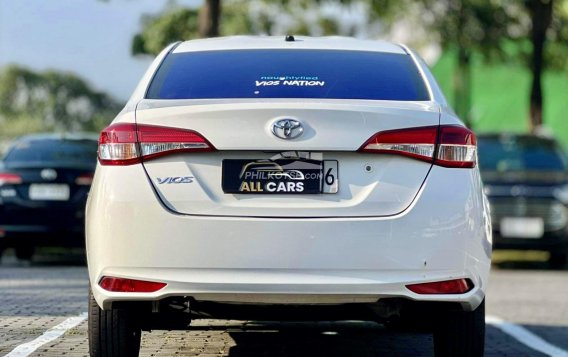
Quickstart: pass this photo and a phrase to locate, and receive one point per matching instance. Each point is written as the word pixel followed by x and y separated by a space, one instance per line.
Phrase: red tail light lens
pixel 127 143
pixel 10 179
pixel 457 286
pixel 446 145
pixel 123 285
pixel 84 180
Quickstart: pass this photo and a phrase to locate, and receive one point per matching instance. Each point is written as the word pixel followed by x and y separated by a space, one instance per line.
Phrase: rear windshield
pixel 53 151
pixel 511 153
pixel 288 74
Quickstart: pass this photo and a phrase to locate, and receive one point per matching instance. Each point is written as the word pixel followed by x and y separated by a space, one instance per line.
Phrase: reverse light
pixel 456 286
pixel 446 145
pixel 10 179
pixel 128 143
pixel 124 285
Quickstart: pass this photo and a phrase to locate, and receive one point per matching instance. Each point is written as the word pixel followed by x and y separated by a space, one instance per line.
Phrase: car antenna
pixel 289 38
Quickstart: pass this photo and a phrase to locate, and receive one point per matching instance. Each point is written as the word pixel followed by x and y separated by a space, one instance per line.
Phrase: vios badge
pixel 287 128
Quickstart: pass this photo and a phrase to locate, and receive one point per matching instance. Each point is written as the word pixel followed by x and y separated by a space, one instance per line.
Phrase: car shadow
pixel 345 338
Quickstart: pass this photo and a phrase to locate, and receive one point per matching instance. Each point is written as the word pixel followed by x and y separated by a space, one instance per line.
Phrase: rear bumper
pixel 304 287
pixel 443 235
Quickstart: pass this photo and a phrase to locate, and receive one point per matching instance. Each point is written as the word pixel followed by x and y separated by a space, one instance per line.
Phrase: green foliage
pixel 173 25
pixel 181 24
pixel 240 17
pixel 50 100
pixel 556 52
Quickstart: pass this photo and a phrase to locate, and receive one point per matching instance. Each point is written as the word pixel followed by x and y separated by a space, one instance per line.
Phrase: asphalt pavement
pixel 42 309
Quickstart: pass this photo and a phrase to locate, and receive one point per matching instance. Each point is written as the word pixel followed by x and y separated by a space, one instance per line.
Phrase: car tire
pixel 460 333
pixel 113 332
pixel 558 260
pixel 24 252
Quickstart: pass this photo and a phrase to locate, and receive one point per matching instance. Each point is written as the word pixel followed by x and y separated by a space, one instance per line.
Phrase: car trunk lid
pixel 368 184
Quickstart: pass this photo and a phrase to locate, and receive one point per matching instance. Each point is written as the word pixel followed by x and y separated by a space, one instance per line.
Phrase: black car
pixel 44 182
pixel 526 181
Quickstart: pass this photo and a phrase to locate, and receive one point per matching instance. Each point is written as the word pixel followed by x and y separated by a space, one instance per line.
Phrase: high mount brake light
pixel 10 179
pixel 446 145
pixel 128 143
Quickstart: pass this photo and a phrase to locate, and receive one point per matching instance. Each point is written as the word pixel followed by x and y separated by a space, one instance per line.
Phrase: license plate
pixel 512 227
pixel 281 176
pixel 49 192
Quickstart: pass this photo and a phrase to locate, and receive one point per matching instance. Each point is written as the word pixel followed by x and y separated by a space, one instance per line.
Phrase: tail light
pixel 84 180
pixel 123 285
pixel 456 286
pixel 457 147
pixel 128 143
pixel 446 145
pixel 419 143
pixel 10 179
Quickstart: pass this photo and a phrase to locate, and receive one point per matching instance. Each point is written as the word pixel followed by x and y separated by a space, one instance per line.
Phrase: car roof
pixel 59 136
pixel 279 42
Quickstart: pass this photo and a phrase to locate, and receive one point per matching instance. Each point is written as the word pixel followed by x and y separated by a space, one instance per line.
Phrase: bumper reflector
pixel 123 285
pixel 457 286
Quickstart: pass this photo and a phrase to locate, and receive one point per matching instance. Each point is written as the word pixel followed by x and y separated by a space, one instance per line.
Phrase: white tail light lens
pixel 127 143
pixel 418 143
pixel 155 141
pixel 446 145
pixel 457 148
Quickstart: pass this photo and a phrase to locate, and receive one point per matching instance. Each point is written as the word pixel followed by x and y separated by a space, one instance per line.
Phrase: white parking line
pixel 520 333
pixel 526 337
pixel 53 333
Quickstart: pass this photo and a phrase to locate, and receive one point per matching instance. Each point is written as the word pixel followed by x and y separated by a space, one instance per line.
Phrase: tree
pixel 300 17
pixel 181 23
pixel 463 27
pixel 541 17
pixel 209 16
pixel 159 31
pixel 50 100
pixel 548 22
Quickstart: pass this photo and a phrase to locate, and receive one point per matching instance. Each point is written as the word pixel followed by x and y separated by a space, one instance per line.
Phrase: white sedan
pixel 287 178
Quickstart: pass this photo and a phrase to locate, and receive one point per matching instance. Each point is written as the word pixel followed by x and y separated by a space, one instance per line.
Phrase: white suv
pixel 272 177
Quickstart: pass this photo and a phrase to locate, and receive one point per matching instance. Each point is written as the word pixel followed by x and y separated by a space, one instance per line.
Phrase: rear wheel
pixel 460 333
pixel 113 332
